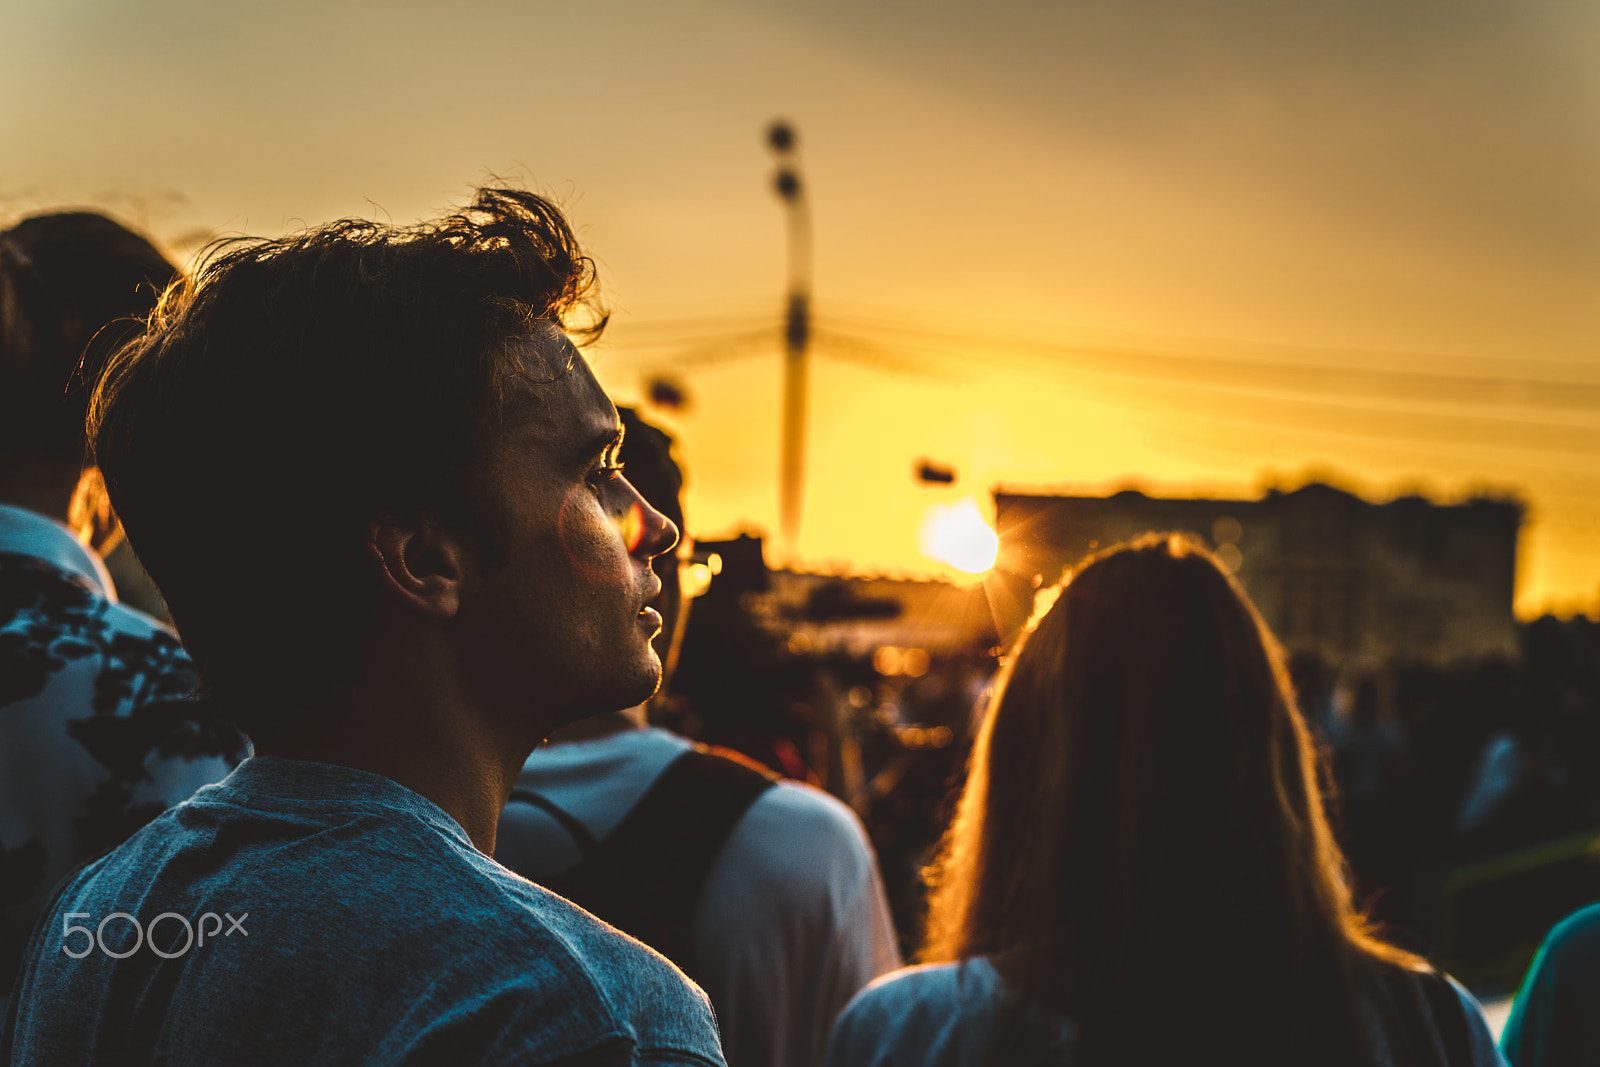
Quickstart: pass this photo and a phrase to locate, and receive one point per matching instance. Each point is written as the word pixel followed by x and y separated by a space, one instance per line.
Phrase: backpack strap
pixel 645 877
pixel 587 845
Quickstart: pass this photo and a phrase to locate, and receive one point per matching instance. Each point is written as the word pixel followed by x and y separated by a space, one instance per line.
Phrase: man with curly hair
pixel 378 487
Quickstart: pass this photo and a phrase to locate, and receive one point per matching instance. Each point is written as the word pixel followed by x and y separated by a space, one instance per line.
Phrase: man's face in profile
pixel 561 617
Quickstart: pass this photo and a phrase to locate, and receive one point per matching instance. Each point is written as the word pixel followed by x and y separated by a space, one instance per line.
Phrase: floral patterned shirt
pixel 99 731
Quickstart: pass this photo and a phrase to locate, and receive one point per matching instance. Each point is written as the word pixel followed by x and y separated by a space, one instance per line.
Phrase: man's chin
pixel 630 689
pixel 645 691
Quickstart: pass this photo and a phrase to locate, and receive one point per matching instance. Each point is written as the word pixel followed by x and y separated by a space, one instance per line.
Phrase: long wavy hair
pixel 1141 844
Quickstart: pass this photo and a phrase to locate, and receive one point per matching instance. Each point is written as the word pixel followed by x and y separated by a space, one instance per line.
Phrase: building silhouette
pixel 1334 575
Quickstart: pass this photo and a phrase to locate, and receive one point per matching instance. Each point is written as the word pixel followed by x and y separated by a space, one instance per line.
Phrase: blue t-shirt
pixel 313 914
pixel 941 1014
pixel 1556 1017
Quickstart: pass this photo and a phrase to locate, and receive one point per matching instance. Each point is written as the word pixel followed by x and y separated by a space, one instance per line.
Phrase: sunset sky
pixel 1197 246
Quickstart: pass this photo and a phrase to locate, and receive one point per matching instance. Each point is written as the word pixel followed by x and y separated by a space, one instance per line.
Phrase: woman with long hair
pixel 1140 869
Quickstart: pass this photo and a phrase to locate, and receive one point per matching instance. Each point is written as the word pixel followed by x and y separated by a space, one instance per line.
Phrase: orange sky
pixel 1198 245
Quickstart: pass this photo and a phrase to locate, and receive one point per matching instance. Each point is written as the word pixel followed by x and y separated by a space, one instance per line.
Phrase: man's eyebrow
pixel 599 444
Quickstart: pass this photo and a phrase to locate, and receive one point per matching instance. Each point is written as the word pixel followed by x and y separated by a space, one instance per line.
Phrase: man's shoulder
pixel 799 800
pixel 422 938
pixel 1570 955
pixel 556 961
pixel 918 1014
pixel 934 985
pixel 798 856
pixel 566 959
pixel 1579 931
pixel 798 828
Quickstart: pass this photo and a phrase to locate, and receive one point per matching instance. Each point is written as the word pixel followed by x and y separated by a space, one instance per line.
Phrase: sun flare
pixel 957 534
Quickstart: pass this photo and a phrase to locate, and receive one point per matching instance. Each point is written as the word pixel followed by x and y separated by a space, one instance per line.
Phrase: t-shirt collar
pixel 292 784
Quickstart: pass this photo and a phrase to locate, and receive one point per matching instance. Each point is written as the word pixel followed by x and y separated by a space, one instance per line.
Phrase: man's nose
pixel 660 533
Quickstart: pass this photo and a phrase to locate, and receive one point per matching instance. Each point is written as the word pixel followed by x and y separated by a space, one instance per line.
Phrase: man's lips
pixel 651 592
pixel 651 617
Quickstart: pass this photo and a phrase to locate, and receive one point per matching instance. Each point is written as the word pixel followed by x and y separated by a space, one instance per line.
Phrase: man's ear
pixel 420 561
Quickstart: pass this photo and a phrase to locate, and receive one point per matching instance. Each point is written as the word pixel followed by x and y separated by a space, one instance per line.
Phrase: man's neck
pixel 413 736
pixel 472 788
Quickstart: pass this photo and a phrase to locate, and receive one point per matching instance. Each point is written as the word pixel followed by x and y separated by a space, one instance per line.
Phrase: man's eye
pixel 608 472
